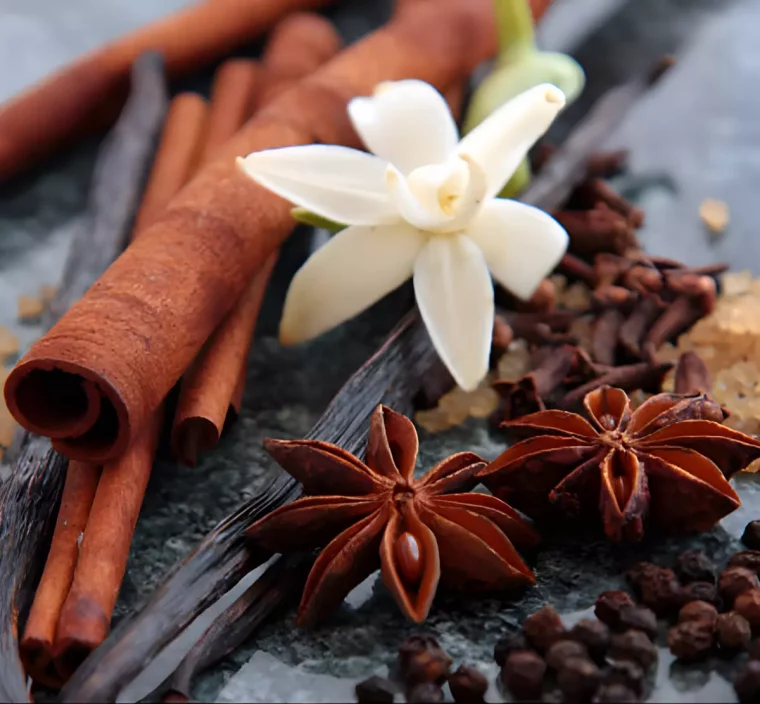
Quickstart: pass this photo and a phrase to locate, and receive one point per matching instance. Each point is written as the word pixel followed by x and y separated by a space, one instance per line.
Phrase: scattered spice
pixel 578 679
pixel 698 611
pixel 694 566
pixel 424 693
pixel 523 674
pixel 733 631
pixel 746 558
pixel 669 444
pixel 543 628
pixel 48 292
pixel 691 640
pixel 609 605
pixel 625 673
pixel 30 308
pixel 735 580
pixel 714 214
pixel 751 535
pixel 421 659
pixel 698 591
pixel 748 605
pixel 747 683
pixel 468 685
pixel 417 530
pixel 593 634
pixel 375 690
pixel 563 650
pixel 634 646
pixel 615 694
pixel 659 590
pixel 638 618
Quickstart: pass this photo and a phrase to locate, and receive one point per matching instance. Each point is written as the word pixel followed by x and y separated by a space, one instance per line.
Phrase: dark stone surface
pixel 696 136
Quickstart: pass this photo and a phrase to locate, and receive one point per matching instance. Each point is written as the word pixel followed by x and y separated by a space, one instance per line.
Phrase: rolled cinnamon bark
pixel 39 633
pixel 212 391
pixel 141 324
pixel 85 616
pixel 88 94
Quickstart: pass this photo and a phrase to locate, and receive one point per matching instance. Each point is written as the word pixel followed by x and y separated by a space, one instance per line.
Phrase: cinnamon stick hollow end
pixel 84 415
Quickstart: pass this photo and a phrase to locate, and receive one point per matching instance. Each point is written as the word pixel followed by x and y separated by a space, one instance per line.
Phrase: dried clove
pixel 595 190
pixel 634 329
pixel 692 375
pixel 607 330
pixel 629 377
pixel 575 269
pixel 600 229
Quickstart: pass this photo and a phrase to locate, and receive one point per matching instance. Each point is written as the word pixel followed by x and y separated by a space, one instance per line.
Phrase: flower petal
pixel 501 141
pixel 522 244
pixel 356 268
pixel 337 183
pixel 406 122
pixel 455 297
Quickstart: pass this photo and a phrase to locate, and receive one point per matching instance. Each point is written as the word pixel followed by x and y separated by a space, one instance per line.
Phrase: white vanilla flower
pixel 422 204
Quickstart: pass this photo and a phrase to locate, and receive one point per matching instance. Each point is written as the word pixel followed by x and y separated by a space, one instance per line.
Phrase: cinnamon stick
pixel 39 633
pixel 212 391
pixel 168 292
pixel 88 94
pixel 85 616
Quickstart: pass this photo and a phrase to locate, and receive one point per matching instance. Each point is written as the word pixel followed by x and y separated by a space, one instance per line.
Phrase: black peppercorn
pixel 639 618
pixel 424 693
pixel 523 674
pixel 563 650
pixel 626 673
pixel 635 646
pixel 608 605
pixel 594 634
pixel 543 628
pixel 375 690
pixel 732 631
pixel 748 605
pixel 507 644
pixel 735 580
pixel 694 566
pixel 698 591
pixel 747 683
pixel 751 535
pixel 746 558
pixel 421 659
pixel 698 611
pixel 578 679
pixel 468 685
pixel 660 591
pixel 615 694
pixel 691 640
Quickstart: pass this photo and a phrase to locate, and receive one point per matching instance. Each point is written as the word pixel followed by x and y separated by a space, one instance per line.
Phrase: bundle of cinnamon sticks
pixel 182 301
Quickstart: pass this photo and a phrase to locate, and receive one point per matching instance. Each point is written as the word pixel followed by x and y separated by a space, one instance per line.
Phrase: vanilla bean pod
pixel 277 588
pixel 29 498
pixel 568 166
pixel 392 376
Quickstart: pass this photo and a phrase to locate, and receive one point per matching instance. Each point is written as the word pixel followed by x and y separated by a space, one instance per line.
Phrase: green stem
pixel 514 24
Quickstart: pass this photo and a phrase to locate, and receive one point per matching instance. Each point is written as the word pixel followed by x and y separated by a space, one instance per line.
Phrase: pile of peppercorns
pixel 606 659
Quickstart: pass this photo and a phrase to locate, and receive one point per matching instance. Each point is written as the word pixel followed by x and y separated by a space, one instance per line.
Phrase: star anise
pixel 376 514
pixel 667 461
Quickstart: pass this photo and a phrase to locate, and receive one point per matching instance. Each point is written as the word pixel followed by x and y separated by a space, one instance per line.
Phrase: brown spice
pixel 634 646
pixel 468 685
pixel 698 611
pixel 424 693
pixel 735 580
pixel 748 605
pixel 751 535
pixel 660 591
pixel 609 605
pixel 421 659
pixel 698 591
pixel 375 690
pixel 563 650
pixel 508 644
pixel 543 628
pixel 615 694
pixel 733 631
pixel 523 674
pixel 695 566
pixel 714 214
pixel 626 673
pixel 593 634
pixel 578 679
pixel 746 558
pixel 747 683
pixel 691 640
pixel 638 618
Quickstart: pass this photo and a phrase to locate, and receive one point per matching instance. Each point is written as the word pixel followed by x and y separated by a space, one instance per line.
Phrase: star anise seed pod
pixel 376 514
pixel 668 460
